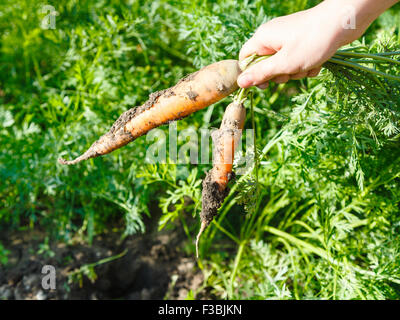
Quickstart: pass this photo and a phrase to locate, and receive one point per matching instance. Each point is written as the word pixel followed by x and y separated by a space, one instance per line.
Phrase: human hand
pixel 301 42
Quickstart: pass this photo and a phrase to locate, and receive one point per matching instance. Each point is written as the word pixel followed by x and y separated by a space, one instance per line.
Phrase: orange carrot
pixel 215 185
pixel 192 93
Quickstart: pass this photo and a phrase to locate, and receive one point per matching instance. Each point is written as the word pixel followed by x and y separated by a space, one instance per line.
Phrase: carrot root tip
pixel 62 161
pixel 202 228
pixel 70 162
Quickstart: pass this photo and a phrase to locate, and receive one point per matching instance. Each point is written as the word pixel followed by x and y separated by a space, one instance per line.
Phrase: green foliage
pixel 45 249
pixel 3 255
pixel 320 219
pixel 63 88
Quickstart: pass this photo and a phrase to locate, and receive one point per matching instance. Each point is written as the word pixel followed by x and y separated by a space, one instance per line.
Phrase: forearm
pixel 366 10
pixel 371 9
pixel 360 12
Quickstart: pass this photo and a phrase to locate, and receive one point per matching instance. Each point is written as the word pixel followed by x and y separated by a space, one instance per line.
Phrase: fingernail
pixel 263 86
pixel 245 80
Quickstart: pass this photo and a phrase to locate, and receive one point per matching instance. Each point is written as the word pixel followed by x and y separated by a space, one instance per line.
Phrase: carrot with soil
pixel 201 89
pixel 192 93
pixel 215 184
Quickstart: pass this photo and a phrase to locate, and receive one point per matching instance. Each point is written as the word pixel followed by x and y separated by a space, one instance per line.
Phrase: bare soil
pixel 146 270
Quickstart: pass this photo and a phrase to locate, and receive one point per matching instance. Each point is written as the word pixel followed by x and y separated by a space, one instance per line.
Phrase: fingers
pixel 266 70
pixel 285 78
pixel 299 75
pixel 281 79
pixel 253 45
pixel 260 43
pixel 274 69
pixel 263 86
pixel 314 72
pixel 283 64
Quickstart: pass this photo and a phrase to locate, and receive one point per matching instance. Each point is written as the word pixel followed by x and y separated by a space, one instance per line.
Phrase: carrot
pixel 215 185
pixel 192 93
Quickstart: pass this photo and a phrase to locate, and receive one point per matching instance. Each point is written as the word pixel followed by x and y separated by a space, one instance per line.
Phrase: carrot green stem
pixel 354 48
pixel 246 62
pixel 366 55
pixel 341 58
pixel 366 61
pixel 241 95
pixel 393 53
pixel 358 66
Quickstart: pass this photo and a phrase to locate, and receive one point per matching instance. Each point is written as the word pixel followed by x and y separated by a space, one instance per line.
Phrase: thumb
pixel 265 70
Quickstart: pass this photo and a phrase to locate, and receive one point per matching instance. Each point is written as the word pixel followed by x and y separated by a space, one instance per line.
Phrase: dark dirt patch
pixel 232 126
pixel 221 87
pixel 135 111
pixel 192 95
pixel 123 119
pixel 212 198
pixel 153 97
pixel 189 77
pixel 144 272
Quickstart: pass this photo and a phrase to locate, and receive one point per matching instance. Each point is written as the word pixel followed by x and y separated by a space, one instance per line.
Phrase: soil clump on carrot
pixel 212 198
